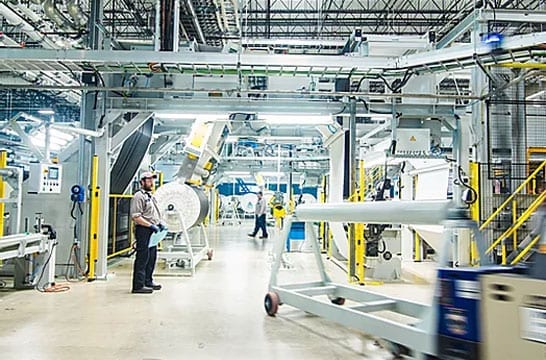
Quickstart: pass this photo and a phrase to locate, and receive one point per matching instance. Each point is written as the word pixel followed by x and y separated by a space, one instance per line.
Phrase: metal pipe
pixel 195 21
pixel 157 37
pixel 386 212
pixel 78 131
pixel 301 94
pixel 15 19
pixel 47 152
pixel 176 26
pixel 3 163
pixel 6 41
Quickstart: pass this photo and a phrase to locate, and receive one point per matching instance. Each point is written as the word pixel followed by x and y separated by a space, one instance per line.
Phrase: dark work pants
pixel 260 224
pixel 145 258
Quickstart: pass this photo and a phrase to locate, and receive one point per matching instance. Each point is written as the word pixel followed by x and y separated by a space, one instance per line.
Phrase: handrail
pixel 120 196
pixel 522 219
pixel 507 201
pixel 525 251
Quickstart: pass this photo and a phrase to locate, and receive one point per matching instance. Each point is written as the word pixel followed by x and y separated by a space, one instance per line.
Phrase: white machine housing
pixel 45 178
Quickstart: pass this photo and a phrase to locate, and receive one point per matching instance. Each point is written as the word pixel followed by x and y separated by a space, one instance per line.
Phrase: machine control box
pixel 45 179
pixel 459 317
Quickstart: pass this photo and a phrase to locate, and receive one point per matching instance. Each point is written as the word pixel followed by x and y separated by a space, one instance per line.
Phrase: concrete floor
pixel 217 314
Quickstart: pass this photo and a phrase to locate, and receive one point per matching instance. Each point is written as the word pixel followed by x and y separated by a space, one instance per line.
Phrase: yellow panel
pixel 3 163
pixel 198 135
pixel 94 225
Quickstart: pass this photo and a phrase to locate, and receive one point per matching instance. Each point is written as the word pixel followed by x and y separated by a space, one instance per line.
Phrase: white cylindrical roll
pixel 181 204
pixel 381 212
pixel 308 199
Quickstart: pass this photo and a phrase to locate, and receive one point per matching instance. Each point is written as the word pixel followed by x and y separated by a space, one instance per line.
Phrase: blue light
pixel 494 40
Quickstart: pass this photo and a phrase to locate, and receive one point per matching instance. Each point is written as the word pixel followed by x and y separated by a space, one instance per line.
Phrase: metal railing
pixel 120 230
pixel 512 215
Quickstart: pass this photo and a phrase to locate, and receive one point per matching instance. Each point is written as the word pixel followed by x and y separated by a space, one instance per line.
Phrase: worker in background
pixel 260 210
pixel 145 213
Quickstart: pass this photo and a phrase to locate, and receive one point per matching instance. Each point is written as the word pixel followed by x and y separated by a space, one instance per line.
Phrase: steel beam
pixel 485 15
pixel 274 106
pixel 39 59
pixel 26 139
pixel 514 48
pixel 462 53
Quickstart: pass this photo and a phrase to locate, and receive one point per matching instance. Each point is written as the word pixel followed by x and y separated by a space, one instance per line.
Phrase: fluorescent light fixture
pixel 296 119
pixel 61 135
pixel 237 173
pixel 57 139
pixel 46 112
pixel 39 141
pixel 373 116
pixel 183 116
pixel 271 174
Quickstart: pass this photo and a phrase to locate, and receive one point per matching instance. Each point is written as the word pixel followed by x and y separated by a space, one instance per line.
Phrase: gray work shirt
pixel 145 204
pixel 261 207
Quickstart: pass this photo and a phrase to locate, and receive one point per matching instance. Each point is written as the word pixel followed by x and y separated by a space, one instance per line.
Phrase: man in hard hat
pixel 145 213
pixel 260 211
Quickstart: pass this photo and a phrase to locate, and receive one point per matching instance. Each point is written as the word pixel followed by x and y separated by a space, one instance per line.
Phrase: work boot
pixel 142 290
pixel 154 286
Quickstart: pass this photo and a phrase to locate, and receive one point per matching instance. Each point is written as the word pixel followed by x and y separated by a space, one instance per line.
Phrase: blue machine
pixel 297 232
pixel 77 193
pixel 459 316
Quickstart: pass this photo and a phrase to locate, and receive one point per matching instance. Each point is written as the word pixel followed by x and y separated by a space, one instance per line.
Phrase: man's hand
pixel 161 227
pixel 154 228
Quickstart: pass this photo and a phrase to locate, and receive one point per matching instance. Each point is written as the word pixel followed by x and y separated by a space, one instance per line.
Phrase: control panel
pixel 45 178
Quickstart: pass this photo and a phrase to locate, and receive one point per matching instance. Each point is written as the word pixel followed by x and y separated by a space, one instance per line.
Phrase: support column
pixel 96 37
pixel 479 86
pixel 461 149
pixel 350 185
pixel 336 149
pixel 519 129
pixel 168 23
pixel 102 150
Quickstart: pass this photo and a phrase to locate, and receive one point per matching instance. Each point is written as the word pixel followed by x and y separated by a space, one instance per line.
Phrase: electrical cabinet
pixel 513 317
pixel 45 179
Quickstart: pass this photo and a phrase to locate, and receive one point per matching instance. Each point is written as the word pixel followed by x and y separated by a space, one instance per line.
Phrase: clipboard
pixel 157 237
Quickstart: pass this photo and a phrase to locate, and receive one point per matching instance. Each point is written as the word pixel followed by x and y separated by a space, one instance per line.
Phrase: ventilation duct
pixel 56 16
pixel 76 13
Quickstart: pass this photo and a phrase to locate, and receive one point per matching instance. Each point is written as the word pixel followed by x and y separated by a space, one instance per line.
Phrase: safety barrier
pixel 511 217
pixel 120 228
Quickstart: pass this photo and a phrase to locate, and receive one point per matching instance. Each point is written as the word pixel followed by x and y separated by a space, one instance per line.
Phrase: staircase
pixel 517 239
pixel 373 176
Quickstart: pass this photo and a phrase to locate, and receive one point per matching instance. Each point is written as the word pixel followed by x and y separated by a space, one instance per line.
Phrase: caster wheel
pixel 338 301
pixel 271 303
pixel 397 351
pixel 209 254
